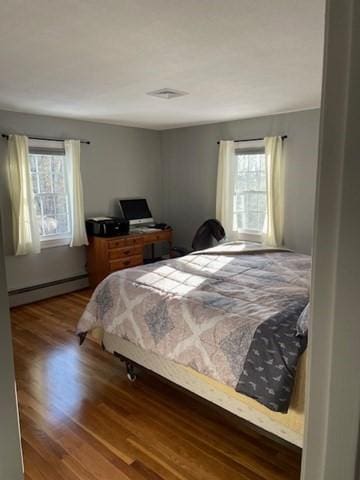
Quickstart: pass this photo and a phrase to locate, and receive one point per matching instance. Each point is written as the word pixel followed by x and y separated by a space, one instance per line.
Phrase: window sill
pixel 250 236
pixel 54 242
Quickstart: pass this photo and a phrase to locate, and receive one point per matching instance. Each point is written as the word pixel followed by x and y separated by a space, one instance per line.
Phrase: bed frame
pixel 288 426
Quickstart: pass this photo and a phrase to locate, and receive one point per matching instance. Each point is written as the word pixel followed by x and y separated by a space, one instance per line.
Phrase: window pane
pixel 254 164
pixel 37 206
pixel 62 224
pixel 252 202
pixel 39 219
pixel 58 164
pixel 243 162
pixel 59 183
pixel 250 192
pixel 60 204
pixel 48 205
pixel 32 163
pixel 34 179
pixel 262 202
pixel 252 220
pixel 262 184
pixel 44 163
pixel 50 224
pixel 45 182
pixel 252 181
pixel 51 197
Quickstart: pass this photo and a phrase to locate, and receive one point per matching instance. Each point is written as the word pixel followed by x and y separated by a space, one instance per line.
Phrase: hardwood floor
pixel 82 419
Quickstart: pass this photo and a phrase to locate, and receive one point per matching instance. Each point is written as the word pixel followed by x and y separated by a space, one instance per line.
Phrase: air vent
pixel 167 93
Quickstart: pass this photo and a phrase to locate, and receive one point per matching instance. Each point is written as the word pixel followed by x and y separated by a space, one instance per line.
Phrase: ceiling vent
pixel 167 93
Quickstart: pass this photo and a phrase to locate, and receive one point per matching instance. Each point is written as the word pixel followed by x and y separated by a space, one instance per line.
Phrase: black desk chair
pixel 209 233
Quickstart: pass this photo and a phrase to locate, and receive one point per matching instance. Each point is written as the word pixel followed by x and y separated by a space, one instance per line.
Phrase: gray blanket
pixel 229 313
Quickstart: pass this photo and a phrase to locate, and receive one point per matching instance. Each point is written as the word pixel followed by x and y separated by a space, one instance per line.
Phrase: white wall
pixel 120 162
pixel 189 157
pixel 174 169
pixel 10 453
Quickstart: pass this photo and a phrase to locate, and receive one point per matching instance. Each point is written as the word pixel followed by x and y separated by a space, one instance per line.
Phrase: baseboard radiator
pixel 33 293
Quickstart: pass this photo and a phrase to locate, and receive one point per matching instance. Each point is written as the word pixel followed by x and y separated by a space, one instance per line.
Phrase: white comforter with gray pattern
pixel 230 313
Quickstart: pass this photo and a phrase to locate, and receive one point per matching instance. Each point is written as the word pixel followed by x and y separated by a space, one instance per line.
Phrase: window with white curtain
pixel 250 190
pixel 250 193
pixel 51 195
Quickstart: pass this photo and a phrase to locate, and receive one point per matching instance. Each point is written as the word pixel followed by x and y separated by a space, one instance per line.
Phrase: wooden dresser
pixel 109 254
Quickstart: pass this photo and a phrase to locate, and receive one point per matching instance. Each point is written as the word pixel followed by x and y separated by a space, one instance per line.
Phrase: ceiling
pixel 96 60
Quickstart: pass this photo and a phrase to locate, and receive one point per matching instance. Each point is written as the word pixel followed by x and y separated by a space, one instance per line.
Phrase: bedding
pixel 230 313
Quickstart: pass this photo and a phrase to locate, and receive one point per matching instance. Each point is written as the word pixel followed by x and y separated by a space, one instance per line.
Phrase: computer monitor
pixel 136 210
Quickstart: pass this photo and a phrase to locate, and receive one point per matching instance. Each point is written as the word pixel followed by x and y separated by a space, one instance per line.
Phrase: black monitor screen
pixel 135 209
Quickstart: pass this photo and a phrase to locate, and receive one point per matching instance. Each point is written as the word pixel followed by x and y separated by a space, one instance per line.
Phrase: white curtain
pixel 26 235
pixel 274 225
pixel 225 186
pixel 72 152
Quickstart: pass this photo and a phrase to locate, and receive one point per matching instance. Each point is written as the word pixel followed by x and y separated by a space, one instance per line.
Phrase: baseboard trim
pixel 33 293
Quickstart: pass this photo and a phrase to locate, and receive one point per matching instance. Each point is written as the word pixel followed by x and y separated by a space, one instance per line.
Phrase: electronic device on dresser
pixel 108 252
pixel 136 210
pixel 107 226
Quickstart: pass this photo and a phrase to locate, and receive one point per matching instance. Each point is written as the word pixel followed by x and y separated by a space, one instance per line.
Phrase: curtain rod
pixel 283 137
pixel 5 135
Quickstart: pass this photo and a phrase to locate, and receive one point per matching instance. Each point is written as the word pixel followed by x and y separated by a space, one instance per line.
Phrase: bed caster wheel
pixel 131 377
pixel 130 372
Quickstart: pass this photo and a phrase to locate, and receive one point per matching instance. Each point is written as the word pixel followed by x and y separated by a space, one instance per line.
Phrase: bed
pixel 222 323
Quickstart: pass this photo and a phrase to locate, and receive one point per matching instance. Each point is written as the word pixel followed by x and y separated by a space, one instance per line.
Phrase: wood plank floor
pixel 82 419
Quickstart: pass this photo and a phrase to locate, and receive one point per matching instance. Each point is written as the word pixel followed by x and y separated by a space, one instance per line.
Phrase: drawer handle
pixel 127 252
pixel 127 263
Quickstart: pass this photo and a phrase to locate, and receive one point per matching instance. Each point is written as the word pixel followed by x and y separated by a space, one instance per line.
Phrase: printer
pixel 107 226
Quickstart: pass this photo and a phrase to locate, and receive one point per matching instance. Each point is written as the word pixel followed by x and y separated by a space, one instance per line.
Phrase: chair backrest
pixel 206 233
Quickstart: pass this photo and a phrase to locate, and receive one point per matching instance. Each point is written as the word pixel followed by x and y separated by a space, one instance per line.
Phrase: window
pixel 48 172
pixel 249 208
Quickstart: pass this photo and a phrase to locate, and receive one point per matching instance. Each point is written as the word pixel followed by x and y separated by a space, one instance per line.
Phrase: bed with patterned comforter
pixel 230 312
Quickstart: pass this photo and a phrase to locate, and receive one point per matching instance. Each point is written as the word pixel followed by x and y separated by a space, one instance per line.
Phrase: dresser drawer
pixel 164 236
pixel 134 241
pixel 125 252
pixel 125 263
pixel 125 242
pixel 118 243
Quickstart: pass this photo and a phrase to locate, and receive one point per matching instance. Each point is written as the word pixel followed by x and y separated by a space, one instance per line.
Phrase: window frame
pixel 247 147
pixel 45 147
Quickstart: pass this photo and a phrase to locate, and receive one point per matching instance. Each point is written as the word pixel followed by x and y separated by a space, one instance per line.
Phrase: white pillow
pixel 303 321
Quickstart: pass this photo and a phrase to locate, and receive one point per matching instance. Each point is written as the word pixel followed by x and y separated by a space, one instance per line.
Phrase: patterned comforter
pixel 228 312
